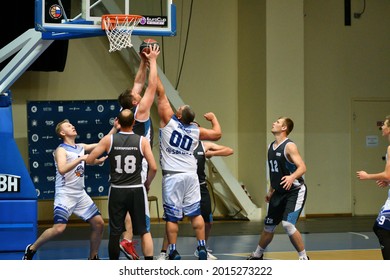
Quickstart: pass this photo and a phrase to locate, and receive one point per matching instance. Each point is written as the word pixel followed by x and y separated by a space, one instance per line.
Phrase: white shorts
pixel 181 196
pixel 79 203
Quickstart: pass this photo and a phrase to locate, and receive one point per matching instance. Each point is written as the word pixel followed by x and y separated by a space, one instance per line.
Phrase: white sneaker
pixel 209 255
pixel 162 256
pixel 304 258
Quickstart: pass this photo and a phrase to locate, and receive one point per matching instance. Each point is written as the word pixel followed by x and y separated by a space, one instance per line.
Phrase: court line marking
pixel 360 234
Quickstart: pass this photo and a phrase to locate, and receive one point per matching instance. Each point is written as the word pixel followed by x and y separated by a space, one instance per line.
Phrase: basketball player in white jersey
pixel 203 151
pixel 70 195
pixel 178 138
pixel 382 223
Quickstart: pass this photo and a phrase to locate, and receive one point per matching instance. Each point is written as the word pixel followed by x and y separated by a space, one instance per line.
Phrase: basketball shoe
pixel 128 249
pixel 163 256
pixel 174 255
pixel 252 256
pixel 202 253
pixel 28 253
pixel 209 255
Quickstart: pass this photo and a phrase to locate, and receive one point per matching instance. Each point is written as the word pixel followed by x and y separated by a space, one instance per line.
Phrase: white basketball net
pixel 119 32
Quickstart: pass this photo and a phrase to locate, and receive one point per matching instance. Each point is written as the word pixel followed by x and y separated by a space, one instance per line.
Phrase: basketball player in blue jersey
pixel 287 192
pixel 70 195
pixel 128 190
pixel 140 106
pixel 382 223
pixel 178 137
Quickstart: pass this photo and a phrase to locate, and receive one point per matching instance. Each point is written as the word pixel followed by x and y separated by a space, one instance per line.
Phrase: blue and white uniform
pixel 70 195
pixel 143 128
pixel 381 226
pixel 383 219
pixel 180 185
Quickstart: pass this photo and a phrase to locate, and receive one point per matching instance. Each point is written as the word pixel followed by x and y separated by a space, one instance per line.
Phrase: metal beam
pixel 28 46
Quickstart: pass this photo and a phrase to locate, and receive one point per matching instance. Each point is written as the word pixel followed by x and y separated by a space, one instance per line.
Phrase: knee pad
pixel 289 228
pixel 269 228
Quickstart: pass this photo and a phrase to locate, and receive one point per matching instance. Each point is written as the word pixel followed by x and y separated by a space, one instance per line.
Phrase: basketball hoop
pixel 119 29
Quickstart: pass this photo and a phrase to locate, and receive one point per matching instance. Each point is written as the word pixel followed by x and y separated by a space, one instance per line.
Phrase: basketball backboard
pixel 69 19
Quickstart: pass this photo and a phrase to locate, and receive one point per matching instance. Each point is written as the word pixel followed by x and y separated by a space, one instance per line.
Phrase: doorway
pixel 368 148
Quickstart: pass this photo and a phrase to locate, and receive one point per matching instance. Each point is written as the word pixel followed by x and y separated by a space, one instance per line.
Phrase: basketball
pixel 144 47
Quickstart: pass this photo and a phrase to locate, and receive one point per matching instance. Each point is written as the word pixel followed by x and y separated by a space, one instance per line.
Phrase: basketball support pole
pixel 18 198
pixel 28 46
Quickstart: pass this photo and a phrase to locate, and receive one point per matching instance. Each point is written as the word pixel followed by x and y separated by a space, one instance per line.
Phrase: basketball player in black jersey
pixel 140 106
pixel 128 191
pixel 287 192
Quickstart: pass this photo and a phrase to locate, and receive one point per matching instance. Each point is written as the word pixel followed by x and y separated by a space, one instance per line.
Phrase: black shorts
pixel 205 203
pixel 286 206
pixel 384 240
pixel 128 199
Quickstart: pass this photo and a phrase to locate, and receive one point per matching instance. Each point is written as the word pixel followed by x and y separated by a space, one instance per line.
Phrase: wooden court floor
pixel 333 238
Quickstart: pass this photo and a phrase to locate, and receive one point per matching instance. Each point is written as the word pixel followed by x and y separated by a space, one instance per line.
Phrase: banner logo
pixel 9 183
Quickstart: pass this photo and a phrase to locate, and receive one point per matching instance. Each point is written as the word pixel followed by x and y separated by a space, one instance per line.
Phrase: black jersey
pixel 279 166
pixel 125 159
pixel 200 156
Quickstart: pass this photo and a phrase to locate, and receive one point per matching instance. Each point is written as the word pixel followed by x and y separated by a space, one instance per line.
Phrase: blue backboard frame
pixel 87 25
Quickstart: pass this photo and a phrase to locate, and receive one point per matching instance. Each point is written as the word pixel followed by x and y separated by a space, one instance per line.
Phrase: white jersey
pixel 73 179
pixel 177 144
pixel 383 219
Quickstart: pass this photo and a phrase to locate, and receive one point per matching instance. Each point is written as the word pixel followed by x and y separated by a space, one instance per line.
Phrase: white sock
pixel 259 251
pixel 302 254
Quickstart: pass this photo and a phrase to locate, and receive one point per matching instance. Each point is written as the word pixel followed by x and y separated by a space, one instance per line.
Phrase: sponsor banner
pixel 92 119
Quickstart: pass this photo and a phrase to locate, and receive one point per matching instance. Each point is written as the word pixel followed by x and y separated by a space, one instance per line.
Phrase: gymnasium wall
pixel 224 73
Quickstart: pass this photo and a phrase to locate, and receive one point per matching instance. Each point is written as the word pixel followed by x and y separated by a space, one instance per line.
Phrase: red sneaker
pixel 128 249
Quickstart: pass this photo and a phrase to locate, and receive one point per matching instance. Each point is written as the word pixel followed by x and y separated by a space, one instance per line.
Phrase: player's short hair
pixel 125 99
pixel 126 118
pixel 58 127
pixel 289 123
pixel 187 115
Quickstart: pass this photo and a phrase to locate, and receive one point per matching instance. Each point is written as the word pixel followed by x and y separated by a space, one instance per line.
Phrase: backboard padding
pixel 66 19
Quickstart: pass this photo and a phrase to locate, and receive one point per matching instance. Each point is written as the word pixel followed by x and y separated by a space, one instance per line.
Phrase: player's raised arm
pixel 164 108
pixel 143 110
pixel 214 133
